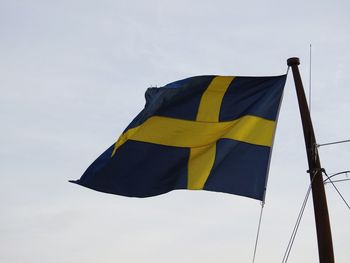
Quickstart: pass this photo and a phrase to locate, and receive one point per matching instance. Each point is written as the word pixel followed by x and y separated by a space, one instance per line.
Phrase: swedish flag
pixel 208 132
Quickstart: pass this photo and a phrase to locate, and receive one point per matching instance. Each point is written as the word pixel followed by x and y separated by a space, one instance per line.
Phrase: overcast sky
pixel 73 75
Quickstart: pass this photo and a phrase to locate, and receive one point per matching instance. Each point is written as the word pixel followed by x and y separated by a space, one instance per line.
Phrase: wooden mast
pixel 324 235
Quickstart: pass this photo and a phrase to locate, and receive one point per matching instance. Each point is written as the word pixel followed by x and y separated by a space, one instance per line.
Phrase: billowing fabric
pixel 202 133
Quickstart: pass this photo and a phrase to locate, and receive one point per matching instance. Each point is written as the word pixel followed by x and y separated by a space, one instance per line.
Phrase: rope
pixel 258 232
pixel 287 70
pixel 296 226
pixel 341 196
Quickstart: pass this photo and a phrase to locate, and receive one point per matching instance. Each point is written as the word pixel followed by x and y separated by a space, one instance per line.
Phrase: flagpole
pixel 323 229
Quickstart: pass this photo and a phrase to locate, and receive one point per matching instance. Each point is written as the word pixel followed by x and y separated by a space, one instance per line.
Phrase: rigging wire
pixel 341 196
pixel 297 224
pixel 330 143
pixel 258 231
pixel 310 81
pixel 338 181
pixel 331 176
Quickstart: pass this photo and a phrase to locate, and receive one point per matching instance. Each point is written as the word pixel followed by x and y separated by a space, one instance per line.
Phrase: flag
pixel 210 133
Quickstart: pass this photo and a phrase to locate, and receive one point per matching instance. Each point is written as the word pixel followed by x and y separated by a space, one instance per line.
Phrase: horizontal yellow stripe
pixel 184 133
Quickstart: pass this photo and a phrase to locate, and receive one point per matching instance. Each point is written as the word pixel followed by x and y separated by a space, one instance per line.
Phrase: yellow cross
pixel 202 134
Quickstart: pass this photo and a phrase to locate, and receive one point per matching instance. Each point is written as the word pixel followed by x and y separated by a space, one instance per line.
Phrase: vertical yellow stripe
pixel 202 159
pixel 209 107
pixel 199 166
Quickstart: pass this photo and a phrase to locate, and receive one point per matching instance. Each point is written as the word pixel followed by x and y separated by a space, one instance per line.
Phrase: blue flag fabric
pixel 202 133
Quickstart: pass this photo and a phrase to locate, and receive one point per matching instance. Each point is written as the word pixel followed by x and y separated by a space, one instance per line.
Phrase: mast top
pixel 293 61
